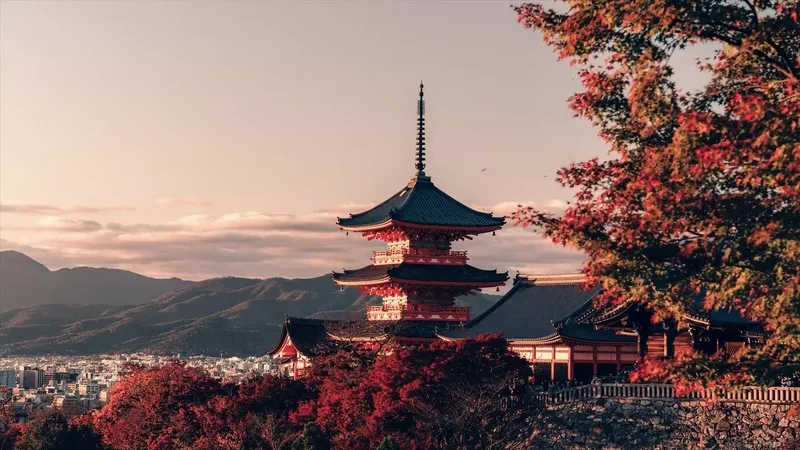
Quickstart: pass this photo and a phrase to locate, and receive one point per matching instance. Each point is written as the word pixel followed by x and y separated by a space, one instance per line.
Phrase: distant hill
pixel 25 282
pixel 232 316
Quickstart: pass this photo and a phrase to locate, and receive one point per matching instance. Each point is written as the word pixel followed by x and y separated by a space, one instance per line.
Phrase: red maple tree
pixel 175 406
pixel 255 416
pixel 701 193
pixel 460 394
pixel 156 408
pixel 52 429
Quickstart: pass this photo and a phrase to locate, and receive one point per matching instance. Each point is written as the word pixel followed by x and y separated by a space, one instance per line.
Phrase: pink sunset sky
pixel 200 139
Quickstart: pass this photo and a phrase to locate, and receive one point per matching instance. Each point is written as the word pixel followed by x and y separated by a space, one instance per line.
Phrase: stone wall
pixel 662 424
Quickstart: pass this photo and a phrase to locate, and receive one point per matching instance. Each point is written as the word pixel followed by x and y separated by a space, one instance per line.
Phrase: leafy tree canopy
pixel 53 431
pixel 701 193
pixel 440 395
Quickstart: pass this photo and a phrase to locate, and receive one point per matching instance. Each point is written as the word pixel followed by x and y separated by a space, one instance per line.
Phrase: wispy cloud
pixel 256 244
pixel 184 201
pixel 52 223
pixel 507 208
pixel 39 209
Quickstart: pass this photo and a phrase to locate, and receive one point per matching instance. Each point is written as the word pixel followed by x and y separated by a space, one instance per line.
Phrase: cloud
pixel 255 221
pixel 184 201
pixel 256 244
pixel 69 225
pixel 507 208
pixel 348 208
pixel 36 209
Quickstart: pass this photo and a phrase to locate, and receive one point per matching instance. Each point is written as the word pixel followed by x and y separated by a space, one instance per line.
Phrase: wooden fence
pixel 755 394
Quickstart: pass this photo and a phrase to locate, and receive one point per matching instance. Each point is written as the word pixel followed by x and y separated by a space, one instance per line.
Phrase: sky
pixel 201 139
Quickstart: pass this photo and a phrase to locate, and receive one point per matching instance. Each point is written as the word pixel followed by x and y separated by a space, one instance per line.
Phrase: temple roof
pixel 422 203
pixel 697 314
pixel 307 335
pixel 381 329
pixel 421 272
pixel 719 318
pixel 728 318
pixel 533 311
pixel 312 337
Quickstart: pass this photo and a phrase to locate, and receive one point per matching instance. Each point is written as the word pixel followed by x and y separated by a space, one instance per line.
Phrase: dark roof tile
pixel 423 272
pixel 423 203
pixel 313 337
pixel 529 311
pixel 307 335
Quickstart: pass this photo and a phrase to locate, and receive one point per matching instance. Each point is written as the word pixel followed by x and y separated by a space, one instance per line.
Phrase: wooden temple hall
pixel 551 320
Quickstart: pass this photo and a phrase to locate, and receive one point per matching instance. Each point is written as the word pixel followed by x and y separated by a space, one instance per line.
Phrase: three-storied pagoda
pixel 419 276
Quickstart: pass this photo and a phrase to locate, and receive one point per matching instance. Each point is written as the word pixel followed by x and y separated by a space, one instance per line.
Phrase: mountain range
pixel 25 282
pixel 128 312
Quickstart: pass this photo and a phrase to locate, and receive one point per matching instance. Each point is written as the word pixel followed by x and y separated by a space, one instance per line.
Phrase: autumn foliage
pixel 440 395
pixel 443 395
pixel 701 192
pixel 54 430
pixel 173 407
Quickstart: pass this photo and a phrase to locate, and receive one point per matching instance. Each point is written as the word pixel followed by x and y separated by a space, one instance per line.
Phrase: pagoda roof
pixel 422 203
pixel 382 329
pixel 308 335
pixel 535 311
pixel 426 273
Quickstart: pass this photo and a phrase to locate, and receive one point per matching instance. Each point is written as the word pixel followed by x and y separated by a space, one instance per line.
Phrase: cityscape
pixel 83 382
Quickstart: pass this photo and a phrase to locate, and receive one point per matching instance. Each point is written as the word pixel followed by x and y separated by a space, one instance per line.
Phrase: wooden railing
pixel 418 308
pixel 749 394
pixel 419 255
pixel 421 252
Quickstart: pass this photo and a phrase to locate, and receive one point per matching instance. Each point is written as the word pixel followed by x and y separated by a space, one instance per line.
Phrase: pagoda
pixel 419 275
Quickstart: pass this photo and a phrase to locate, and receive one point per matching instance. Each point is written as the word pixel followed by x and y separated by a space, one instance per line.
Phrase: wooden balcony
pixel 419 256
pixel 419 312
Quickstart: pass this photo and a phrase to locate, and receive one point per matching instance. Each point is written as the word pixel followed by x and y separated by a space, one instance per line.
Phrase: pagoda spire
pixel 420 165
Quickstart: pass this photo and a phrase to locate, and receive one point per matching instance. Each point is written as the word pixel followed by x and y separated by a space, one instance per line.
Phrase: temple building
pixel 553 321
pixel 542 316
pixel 550 320
pixel 418 276
pixel 700 330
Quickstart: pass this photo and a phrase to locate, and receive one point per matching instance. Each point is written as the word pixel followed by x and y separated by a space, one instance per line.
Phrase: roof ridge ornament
pixel 420 164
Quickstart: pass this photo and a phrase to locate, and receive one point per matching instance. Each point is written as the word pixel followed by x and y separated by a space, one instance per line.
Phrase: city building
pixel 32 378
pixel 8 377
pixel 89 388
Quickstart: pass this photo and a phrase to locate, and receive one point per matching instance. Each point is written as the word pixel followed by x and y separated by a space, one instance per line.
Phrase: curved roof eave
pixel 405 207
pixel 281 340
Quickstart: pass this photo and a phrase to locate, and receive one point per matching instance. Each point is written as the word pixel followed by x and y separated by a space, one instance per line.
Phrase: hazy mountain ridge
pixel 25 282
pixel 233 316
